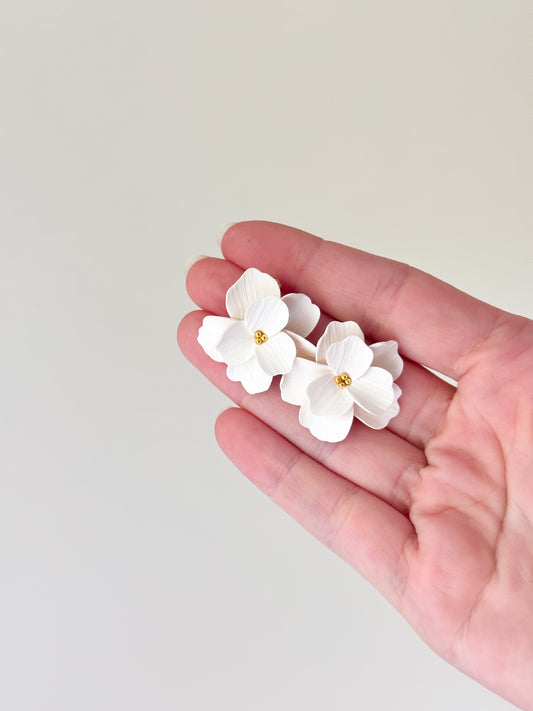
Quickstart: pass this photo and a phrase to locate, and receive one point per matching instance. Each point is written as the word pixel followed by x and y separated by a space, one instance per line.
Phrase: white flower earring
pixel 339 379
pixel 348 379
pixel 263 332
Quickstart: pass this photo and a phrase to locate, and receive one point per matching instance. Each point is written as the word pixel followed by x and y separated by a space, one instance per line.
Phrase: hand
pixel 437 510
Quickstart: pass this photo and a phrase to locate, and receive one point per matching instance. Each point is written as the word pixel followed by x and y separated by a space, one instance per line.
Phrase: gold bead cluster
pixel 343 380
pixel 260 337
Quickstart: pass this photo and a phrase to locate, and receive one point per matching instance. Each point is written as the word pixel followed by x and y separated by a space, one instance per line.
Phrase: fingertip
pixel 222 418
pixel 192 261
pixel 278 249
pixel 208 281
pixel 193 269
pixel 225 425
pixel 188 326
pixel 244 232
pixel 222 232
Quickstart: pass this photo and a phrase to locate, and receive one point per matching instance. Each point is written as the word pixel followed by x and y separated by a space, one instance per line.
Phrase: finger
pixel 207 282
pixel 378 461
pixel 425 398
pixel 435 324
pixel 365 531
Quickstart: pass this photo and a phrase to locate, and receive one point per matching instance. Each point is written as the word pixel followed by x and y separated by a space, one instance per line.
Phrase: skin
pixel 436 511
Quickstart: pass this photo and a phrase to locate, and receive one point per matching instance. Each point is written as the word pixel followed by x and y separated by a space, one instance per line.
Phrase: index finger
pixel 435 324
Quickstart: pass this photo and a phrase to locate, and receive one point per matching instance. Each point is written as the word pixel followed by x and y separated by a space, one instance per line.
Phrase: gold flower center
pixel 260 337
pixel 343 380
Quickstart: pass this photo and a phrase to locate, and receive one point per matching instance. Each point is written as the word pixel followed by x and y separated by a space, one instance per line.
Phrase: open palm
pixel 436 510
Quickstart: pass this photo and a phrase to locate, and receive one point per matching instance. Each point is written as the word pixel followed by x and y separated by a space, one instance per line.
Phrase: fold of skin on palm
pixel 436 510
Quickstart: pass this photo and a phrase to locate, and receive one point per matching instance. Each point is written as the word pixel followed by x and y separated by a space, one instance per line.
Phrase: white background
pixel 138 569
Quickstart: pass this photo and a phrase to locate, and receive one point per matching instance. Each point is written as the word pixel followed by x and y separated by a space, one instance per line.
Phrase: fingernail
pixel 222 231
pixel 192 261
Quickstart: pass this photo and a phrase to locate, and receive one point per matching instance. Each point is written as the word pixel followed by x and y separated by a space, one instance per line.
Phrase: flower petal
pixel 251 375
pixel 326 398
pixel 336 331
pixel 236 345
pixel 351 356
pixel 268 314
pixel 327 429
pixel 374 391
pixel 277 355
pixel 210 333
pixel 304 349
pixel 252 285
pixel 294 384
pixel 378 422
pixel 386 356
pixel 303 314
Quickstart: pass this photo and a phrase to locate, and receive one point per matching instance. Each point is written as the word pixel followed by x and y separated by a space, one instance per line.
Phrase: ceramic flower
pixel 347 379
pixel 263 332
